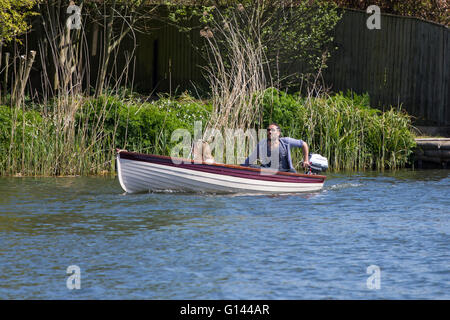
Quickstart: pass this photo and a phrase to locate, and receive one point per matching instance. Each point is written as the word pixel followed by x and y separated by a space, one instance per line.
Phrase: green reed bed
pixel 82 141
pixel 344 129
pixel 79 136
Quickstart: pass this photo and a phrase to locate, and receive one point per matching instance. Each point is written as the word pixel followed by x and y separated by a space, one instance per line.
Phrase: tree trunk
pixel 106 50
pixel 21 80
pixel 5 81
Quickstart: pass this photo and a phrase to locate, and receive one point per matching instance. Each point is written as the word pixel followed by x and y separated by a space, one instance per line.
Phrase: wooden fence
pixel 405 62
pixel 167 62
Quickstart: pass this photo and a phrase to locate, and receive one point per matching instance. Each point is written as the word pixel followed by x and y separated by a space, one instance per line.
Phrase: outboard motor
pixel 318 163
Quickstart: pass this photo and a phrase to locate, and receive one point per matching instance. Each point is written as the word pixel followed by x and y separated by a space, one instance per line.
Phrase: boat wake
pixel 342 186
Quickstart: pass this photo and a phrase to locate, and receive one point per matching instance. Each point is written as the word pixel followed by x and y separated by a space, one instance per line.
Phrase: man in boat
pixel 277 145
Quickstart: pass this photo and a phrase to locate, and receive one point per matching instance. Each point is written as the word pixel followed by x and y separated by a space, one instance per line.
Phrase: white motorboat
pixel 143 172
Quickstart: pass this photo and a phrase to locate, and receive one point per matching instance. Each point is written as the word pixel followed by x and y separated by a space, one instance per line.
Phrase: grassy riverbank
pixel 42 140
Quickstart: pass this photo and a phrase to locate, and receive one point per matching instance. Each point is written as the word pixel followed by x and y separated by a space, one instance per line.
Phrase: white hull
pixel 139 176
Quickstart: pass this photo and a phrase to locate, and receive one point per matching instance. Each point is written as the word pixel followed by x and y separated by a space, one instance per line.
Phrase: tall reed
pixel 39 145
pixel 237 67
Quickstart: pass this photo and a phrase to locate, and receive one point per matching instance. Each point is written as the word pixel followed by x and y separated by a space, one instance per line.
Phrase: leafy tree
pixel 432 10
pixel 13 18
pixel 290 32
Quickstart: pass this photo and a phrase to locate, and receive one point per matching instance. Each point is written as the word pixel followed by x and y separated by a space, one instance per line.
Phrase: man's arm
pixel 300 144
pixel 305 155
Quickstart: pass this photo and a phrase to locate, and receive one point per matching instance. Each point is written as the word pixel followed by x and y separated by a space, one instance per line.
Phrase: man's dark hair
pixel 276 125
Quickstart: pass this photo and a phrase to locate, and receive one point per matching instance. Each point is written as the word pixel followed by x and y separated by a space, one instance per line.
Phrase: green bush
pixel 19 138
pixel 142 127
pixel 85 143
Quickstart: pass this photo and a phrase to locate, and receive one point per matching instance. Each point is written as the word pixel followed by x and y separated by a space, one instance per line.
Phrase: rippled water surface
pixel 196 246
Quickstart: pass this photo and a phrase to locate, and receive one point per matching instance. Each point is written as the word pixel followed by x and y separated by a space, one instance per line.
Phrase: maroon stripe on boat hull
pixel 229 170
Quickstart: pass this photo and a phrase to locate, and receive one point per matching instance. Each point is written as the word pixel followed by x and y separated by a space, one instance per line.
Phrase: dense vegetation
pixel 13 17
pixel 73 125
pixel 35 144
pixel 341 127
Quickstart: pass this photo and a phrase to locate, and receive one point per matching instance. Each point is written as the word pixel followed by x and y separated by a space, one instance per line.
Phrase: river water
pixel 197 246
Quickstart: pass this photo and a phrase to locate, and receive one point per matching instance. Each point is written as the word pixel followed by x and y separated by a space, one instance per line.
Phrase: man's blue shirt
pixel 263 149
